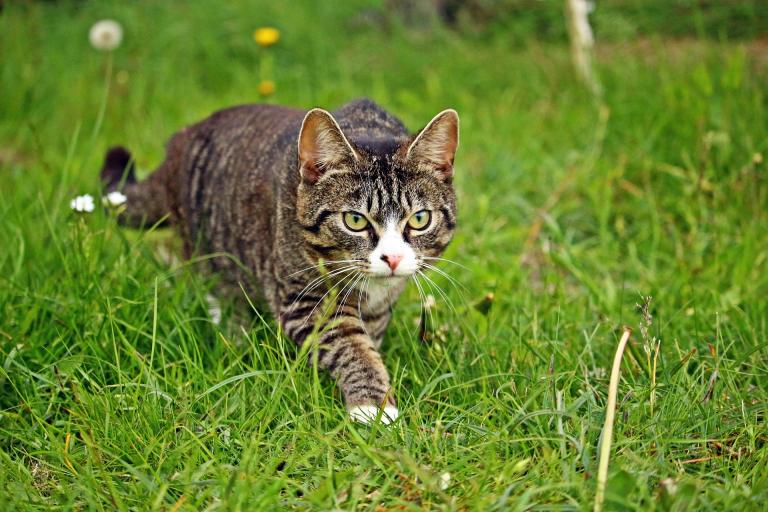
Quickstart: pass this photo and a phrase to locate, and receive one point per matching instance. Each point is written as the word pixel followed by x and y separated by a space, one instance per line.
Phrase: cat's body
pixel 274 189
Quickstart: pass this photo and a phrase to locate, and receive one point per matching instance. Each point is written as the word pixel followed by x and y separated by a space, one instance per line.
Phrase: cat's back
pixel 222 187
pixel 272 130
pixel 252 128
pixel 363 119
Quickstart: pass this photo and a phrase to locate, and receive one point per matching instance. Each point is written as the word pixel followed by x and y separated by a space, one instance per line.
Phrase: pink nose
pixel 393 260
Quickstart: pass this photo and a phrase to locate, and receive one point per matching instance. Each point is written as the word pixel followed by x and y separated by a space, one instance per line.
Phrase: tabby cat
pixel 305 203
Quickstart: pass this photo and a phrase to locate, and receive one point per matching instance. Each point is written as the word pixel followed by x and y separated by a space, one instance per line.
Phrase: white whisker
pixel 320 280
pixel 340 305
pixel 425 310
pixel 434 285
pixel 343 280
pixel 366 284
pixel 434 258
pixel 320 264
pixel 445 274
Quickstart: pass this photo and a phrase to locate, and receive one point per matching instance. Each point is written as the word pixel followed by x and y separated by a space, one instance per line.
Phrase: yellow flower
pixel 266 36
pixel 266 87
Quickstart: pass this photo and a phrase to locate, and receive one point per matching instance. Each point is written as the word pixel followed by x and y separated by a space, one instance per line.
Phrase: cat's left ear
pixel 434 148
pixel 322 146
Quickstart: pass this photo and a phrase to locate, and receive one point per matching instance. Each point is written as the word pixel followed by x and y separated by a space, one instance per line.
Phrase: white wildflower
pixel 114 199
pixel 445 481
pixel 597 373
pixel 106 35
pixel 225 435
pixel 83 204
pixel 669 485
pixel 429 302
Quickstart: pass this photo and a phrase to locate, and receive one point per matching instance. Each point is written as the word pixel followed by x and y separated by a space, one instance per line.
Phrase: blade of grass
pixel 610 412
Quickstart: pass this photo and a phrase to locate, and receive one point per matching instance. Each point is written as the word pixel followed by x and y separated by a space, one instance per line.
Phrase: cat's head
pixel 384 206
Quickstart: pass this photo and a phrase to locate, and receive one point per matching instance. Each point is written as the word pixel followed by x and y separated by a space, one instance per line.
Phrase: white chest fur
pixel 381 293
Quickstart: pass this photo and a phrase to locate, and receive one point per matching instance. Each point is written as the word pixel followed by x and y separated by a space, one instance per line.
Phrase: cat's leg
pixel 214 308
pixel 351 357
pixel 348 352
pixel 376 325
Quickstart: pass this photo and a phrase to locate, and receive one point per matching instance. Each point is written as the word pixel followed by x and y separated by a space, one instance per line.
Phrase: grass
pixel 117 391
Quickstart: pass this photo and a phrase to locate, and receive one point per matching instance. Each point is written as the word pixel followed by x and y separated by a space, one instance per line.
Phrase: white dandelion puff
pixel 82 204
pixel 106 35
pixel 114 199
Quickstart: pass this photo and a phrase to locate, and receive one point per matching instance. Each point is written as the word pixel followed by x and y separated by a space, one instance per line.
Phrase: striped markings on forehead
pixel 387 198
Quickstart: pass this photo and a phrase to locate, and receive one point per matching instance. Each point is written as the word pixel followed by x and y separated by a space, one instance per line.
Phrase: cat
pixel 306 203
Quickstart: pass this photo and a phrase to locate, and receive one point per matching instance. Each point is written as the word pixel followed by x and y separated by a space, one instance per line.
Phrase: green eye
pixel 355 221
pixel 420 219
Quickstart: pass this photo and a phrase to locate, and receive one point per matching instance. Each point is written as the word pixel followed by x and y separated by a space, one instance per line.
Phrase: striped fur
pixel 268 186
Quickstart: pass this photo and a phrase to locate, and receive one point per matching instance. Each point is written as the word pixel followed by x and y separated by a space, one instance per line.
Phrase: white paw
pixel 214 308
pixel 367 414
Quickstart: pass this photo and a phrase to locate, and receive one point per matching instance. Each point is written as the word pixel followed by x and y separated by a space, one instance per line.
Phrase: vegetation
pixel 614 20
pixel 118 392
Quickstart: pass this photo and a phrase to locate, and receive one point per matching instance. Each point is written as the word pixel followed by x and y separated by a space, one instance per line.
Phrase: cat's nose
pixel 393 260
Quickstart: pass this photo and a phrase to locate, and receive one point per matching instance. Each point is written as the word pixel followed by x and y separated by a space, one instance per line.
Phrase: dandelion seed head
pixel 106 35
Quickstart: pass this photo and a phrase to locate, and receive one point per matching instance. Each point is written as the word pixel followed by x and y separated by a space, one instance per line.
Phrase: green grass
pixel 117 392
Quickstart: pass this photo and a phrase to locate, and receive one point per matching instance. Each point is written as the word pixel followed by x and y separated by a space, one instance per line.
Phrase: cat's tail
pixel 146 202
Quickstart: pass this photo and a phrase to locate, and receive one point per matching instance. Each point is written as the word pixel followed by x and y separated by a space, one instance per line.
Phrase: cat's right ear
pixel 322 146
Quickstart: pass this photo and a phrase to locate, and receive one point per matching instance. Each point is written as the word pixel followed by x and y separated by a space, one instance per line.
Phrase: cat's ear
pixel 434 148
pixel 322 146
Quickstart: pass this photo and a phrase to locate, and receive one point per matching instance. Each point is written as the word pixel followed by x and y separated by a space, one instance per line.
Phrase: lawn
pixel 118 392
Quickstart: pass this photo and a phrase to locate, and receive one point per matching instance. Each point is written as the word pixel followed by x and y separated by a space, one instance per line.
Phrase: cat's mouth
pixel 387 282
pixel 390 276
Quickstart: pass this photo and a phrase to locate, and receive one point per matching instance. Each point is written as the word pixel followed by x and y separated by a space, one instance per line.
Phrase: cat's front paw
pixel 368 414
